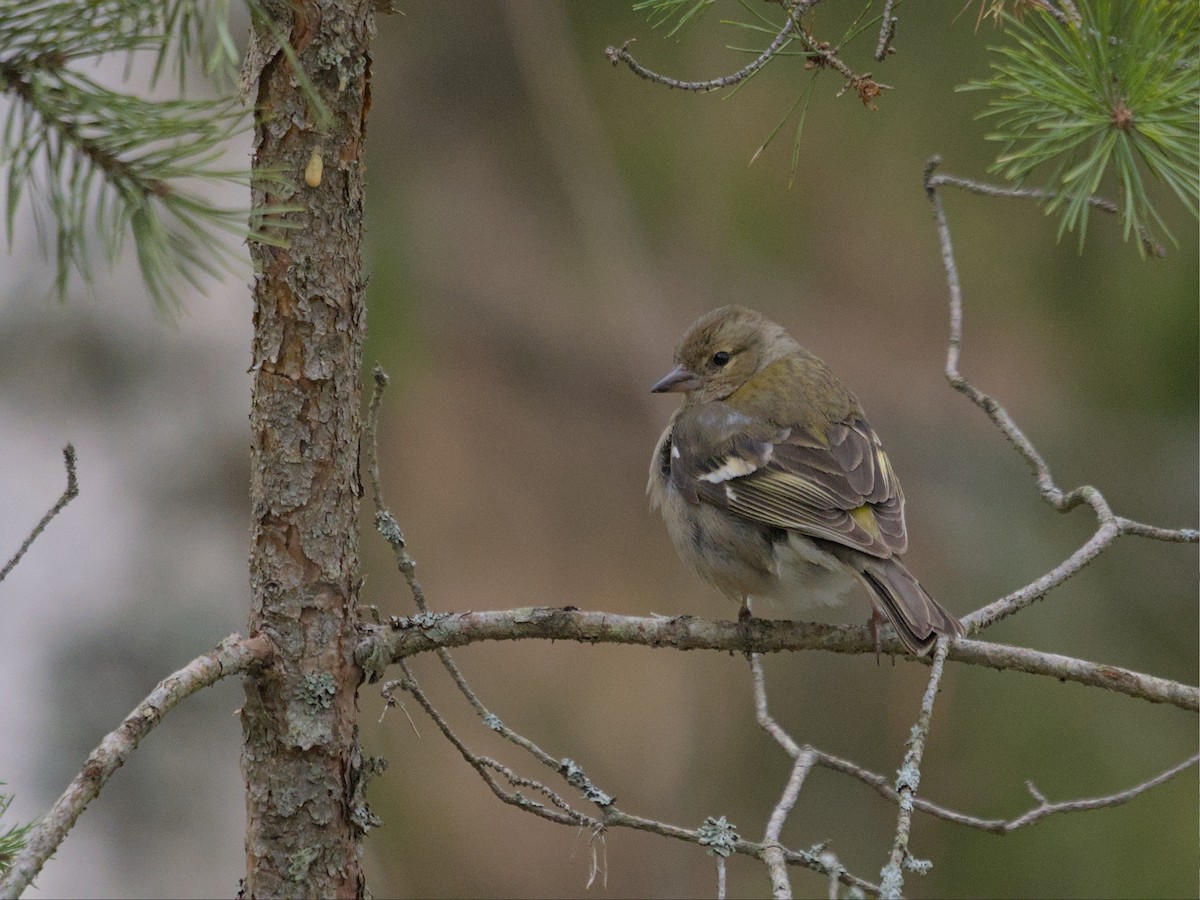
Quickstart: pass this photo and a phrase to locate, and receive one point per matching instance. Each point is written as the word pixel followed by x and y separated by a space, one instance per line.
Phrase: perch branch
pixel 232 656
pixel 403 637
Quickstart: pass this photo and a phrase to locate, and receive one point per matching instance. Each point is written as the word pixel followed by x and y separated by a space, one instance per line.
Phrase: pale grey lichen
pixel 920 866
pixel 891 882
pixel 300 862
pixel 719 836
pixel 577 778
pixel 318 690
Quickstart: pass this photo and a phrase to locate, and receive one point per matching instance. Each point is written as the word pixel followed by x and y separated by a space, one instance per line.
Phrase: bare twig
pixel 824 56
pixel 781 887
pixel 232 656
pixel 785 36
pixel 805 758
pixel 1111 526
pixel 820 55
pixel 404 637
pixel 564 814
pixel 887 32
pixel 909 779
pixel 885 787
pixel 385 522
pixel 1046 808
pixel 994 190
pixel 69 494
pixel 763 715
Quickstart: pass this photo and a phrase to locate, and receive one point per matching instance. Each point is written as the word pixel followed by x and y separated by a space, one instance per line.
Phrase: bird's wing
pixel 838 486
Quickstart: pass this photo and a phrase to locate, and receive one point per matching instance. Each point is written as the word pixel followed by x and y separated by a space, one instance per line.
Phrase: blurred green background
pixel 542 228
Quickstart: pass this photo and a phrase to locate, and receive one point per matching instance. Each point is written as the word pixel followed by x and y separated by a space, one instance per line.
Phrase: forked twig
pixel 1110 526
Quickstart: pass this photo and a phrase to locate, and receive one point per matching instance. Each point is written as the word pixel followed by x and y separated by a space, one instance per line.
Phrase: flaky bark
pixel 301 760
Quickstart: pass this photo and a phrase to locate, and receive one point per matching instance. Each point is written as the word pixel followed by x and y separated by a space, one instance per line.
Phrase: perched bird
pixel 773 485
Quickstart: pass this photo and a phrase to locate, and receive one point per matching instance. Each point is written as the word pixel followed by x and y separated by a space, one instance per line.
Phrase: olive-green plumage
pixel 773 485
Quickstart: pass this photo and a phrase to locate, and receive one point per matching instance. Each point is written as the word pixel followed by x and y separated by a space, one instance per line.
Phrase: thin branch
pixel 389 529
pixel 385 522
pixel 765 720
pixel 785 36
pixel 909 779
pixel 564 815
pixel 1041 586
pixel 404 637
pixel 232 656
pixel 885 787
pixel 781 886
pixel 994 190
pixel 69 493
pixel 820 55
pixel 864 85
pixel 887 32
pixel 1111 526
pixel 805 858
pixel 1046 808
pixel 805 758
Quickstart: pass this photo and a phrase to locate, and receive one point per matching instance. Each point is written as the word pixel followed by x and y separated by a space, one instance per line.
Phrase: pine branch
pixel 1102 92
pixel 99 164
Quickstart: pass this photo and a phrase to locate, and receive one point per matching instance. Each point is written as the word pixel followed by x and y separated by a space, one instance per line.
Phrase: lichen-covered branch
pixel 400 638
pixel 909 779
pixel 232 656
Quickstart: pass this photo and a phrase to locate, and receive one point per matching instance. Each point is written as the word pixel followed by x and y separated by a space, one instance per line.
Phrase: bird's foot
pixel 744 618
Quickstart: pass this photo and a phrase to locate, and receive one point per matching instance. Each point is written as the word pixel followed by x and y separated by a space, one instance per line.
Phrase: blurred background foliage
pixel 542 228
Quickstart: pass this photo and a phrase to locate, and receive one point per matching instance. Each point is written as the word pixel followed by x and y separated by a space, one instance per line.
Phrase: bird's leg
pixel 876 620
pixel 744 617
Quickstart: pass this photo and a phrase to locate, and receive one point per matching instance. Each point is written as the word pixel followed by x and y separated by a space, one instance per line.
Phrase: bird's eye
pixel 720 358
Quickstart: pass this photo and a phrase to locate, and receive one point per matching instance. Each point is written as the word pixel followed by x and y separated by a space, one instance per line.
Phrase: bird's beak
pixel 678 380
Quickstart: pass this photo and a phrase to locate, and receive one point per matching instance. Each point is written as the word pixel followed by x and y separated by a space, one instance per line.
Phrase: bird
pixel 774 486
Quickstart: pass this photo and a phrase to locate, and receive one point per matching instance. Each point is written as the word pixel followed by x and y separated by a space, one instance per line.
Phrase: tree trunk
pixel 300 760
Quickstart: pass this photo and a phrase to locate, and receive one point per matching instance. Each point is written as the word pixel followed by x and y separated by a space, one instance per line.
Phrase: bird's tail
pixel 916 616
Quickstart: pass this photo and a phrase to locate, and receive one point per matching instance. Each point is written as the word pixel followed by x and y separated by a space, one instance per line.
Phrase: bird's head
pixel 722 351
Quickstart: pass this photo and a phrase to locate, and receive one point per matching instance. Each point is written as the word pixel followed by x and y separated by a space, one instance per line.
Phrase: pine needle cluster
pixel 100 165
pixel 1105 97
